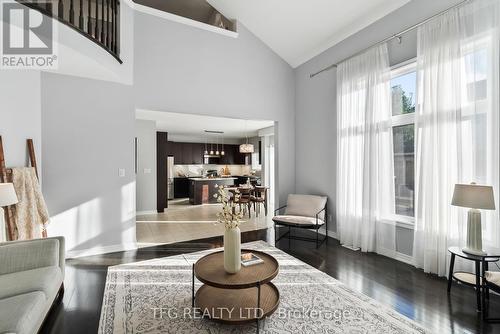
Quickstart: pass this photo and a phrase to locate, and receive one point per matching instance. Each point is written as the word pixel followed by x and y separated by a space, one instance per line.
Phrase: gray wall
pixel 145 132
pixel 20 115
pixel 315 138
pixel 88 129
pixel 190 70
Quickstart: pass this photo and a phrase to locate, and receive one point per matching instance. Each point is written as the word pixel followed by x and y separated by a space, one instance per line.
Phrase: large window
pixel 403 87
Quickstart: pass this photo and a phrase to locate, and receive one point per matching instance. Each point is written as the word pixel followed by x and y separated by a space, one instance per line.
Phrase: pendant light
pixel 206 148
pixel 246 148
pixel 217 149
pixel 222 152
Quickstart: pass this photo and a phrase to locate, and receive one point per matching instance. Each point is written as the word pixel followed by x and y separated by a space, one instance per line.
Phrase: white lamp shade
pixel 473 196
pixel 7 194
pixel 246 148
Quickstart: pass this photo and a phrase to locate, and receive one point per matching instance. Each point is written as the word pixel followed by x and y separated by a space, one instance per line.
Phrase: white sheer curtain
pixel 365 185
pixel 457 127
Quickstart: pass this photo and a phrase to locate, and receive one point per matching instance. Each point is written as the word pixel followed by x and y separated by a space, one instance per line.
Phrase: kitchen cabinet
pixel 228 157
pixel 181 187
pixel 234 157
pixel 176 152
pixel 202 190
pixel 187 153
pixel 197 150
pixel 192 154
pixel 241 158
pixel 170 148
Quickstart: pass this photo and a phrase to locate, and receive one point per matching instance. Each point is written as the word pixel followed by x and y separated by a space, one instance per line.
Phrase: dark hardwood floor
pixel 402 287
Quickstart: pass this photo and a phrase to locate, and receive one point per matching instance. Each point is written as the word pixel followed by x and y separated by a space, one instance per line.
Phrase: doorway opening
pixel 180 158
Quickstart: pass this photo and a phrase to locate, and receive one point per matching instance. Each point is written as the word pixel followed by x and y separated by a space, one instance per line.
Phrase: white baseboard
pixel 408 259
pixel 396 255
pixel 404 258
pixel 100 250
pixel 355 249
pixel 331 234
pixel 146 212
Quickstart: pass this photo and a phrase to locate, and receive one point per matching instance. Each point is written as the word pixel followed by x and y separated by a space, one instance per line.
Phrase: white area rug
pixel 154 296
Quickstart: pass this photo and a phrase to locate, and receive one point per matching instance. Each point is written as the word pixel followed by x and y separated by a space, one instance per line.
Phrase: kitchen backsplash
pixel 197 170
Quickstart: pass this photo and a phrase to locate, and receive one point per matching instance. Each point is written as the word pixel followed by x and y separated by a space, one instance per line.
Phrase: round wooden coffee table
pixel 239 298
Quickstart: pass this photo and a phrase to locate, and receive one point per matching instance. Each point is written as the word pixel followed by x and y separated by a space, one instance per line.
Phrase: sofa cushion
pixel 297 220
pixel 46 279
pixel 23 255
pixel 22 314
pixel 305 205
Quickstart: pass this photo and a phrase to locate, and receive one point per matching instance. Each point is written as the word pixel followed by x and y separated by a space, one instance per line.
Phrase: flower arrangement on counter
pixel 229 215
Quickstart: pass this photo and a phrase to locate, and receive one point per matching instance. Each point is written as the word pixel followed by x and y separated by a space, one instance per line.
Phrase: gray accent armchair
pixel 491 281
pixel 303 212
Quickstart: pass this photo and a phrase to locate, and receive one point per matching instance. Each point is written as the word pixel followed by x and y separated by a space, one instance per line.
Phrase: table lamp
pixel 7 197
pixel 475 197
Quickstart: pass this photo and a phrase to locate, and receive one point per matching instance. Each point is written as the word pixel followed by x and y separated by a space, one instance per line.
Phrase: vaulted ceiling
pixel 298 30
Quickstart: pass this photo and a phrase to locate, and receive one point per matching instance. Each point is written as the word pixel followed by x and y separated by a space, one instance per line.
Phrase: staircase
pixel 98 20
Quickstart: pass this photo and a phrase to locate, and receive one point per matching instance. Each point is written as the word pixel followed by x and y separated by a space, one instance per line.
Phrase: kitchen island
pixel 202 189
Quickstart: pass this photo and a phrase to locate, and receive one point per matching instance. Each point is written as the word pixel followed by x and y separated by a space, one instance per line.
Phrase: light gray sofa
pixel 31 280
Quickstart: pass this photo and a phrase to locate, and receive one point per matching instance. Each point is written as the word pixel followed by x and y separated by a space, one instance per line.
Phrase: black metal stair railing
pixel 98 20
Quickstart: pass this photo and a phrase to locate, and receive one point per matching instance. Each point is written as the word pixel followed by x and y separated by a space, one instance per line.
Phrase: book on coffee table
pixel 250 259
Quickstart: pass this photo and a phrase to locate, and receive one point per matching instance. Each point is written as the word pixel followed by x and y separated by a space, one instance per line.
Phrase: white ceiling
pixel 195 125
pixel 298 30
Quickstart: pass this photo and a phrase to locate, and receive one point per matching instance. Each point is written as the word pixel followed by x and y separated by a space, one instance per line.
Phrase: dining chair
pixel 244 198
pixel 259 197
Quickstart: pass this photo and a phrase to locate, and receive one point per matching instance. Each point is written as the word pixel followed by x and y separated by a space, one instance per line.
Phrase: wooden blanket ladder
pixel 4 172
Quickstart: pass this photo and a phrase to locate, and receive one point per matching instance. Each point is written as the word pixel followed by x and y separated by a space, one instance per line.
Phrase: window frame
pixel 401 120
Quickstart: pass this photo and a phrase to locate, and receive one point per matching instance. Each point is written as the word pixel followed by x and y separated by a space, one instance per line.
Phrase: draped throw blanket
pixel 365 172
pixel 31 213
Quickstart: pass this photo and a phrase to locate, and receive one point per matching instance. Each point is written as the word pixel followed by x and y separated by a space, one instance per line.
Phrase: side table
pixel 470 279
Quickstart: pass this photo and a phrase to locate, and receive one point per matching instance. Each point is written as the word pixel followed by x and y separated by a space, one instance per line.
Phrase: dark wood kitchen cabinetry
pixel 234 157
pixel 192 154
pixel 197 151
pixel 181 187
pixel 186 153
pixel 175 150
pixel 228 157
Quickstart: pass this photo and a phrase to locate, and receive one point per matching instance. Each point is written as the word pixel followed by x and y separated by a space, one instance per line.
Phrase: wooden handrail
pixel 78 15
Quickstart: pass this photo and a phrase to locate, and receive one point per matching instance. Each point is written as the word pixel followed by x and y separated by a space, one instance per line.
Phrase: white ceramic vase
pixel 232 250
